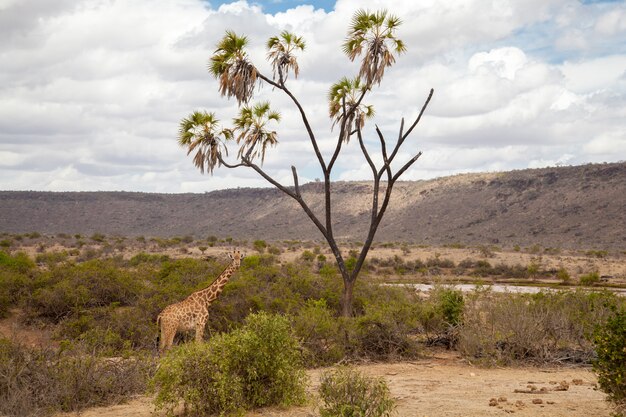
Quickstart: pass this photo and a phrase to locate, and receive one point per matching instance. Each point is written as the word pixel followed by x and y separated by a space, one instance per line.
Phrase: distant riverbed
pixel 509 288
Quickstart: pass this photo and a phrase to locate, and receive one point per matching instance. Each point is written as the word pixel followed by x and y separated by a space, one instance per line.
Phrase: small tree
pixel 372 37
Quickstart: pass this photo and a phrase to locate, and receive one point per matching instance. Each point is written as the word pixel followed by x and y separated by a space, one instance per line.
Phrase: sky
pixel 92 91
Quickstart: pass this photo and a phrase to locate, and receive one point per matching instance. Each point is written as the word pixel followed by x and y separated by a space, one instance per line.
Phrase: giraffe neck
pixel 210 293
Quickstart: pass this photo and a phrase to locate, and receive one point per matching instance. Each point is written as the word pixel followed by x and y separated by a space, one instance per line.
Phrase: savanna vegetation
pixel 102 311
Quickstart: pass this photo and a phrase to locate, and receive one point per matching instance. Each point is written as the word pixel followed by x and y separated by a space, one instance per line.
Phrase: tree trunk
pixel 346 297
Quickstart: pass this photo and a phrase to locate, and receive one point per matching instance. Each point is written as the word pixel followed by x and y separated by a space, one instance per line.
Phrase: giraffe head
pixel 236 256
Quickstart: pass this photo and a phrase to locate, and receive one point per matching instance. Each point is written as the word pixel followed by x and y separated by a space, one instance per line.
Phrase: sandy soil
pixel 444 385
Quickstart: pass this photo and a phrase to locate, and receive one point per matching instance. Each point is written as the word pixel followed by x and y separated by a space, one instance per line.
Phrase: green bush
pixel 533 269
pixel 345 392
pixel 255 366
pixel 68 289
pixel 262 284
pixel 20 262
pixel 189 272
pixel 274 250
pixel 563 276
pixel 450 303
pixel 597 253
pixel 320 332
pixel 438 262
pixel 14 286
pixel 307 256
pixel 98 237
pixel 589 279
pixel 610 364
pixel 259 245
pixel 441 315
pixel 51 258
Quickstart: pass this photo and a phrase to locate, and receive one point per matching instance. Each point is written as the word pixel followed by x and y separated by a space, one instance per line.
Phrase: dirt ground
pixel 445 385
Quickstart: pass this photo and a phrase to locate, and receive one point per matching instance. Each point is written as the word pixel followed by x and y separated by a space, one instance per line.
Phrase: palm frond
pixel 343 96
pixel 251 132
pixel 281 53
pixel 373 36
pixel 200 133
pixel 230 65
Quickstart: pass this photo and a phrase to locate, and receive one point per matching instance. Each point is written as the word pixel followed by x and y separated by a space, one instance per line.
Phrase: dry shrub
pixel 385 331
pixel 345 392
pixel 44 381
pixel 385 323
pixel 548 327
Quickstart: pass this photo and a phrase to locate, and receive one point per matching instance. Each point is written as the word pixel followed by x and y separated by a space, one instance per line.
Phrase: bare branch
pixel 383 145
pixel 231 166
pixel 269 81
pixel 305 120
pixel 406 166
pixel 408 132
pixel 269 179
pixel 401 129
pixel 295 195
pixel 365 153
pixel 346 116
pixel 402 137
pixel 296 186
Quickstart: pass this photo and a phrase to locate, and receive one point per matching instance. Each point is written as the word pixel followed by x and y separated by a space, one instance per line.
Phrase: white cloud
pixel 607 143
pixel 591 75
pixel 92 91
pixel 612 22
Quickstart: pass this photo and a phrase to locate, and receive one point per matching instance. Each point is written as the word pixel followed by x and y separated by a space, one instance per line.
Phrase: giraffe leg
pixel 169 337
pixel 162 335
pixel 161 342
pixel 200 331
pixel 168 331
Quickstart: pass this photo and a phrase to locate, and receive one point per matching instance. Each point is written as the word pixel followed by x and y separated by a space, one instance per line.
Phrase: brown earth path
pixel 444 385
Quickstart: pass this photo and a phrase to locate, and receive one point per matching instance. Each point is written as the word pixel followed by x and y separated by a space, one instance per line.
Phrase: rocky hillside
pixel 567 207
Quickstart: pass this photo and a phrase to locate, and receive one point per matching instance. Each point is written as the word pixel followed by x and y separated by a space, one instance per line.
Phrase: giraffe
pixel 193 311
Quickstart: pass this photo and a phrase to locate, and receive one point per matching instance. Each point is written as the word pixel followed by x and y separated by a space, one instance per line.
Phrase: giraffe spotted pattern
pixel 193 312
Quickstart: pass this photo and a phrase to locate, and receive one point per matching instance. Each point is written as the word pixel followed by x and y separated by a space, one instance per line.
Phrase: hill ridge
pixel 569 207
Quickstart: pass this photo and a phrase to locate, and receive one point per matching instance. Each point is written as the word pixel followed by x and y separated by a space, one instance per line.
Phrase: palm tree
pixel 230 65
pixel 253 133
pixel 281 53
pixel 374 34
pixel 343 96
pixel 372 37
pixel 201 132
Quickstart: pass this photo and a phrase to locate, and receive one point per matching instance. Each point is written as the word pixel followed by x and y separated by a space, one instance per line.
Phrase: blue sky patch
pixel 275 6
